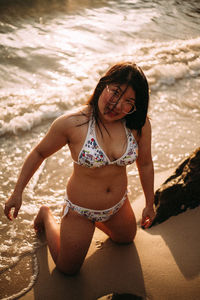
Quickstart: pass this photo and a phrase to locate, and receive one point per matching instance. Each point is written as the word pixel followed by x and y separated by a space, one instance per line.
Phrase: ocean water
pixel 52 53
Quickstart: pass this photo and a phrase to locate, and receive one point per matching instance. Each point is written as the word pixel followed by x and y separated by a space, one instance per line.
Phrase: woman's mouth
pixel 109 111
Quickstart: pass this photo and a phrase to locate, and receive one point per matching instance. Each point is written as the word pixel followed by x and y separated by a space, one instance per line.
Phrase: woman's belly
pixel 98 188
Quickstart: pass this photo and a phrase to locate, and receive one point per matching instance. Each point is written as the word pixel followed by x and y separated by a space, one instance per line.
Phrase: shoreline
pixel 162 263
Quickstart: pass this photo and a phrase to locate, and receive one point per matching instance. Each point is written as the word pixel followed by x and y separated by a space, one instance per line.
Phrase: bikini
pixel 92 156
pixel 91 214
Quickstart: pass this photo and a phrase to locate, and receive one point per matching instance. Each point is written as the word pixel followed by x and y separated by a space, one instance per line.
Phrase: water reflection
pixel 52 7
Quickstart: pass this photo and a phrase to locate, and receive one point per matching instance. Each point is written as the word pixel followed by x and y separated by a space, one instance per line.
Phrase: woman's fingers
pixel 148 217
pixel 16 204
pixel 15 212
pixel 146 223
pixel 7 210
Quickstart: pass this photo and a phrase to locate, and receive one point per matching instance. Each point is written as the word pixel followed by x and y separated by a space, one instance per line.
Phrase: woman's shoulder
pixel 146 131
pixel 74 117
pixel 147 125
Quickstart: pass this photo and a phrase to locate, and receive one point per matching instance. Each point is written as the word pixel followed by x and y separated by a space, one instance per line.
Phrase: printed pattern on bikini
pixel 94 215
pixel 92 156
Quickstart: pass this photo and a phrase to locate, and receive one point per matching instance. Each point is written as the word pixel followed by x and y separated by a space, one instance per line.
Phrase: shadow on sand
pixel 183 240
pixel 110 269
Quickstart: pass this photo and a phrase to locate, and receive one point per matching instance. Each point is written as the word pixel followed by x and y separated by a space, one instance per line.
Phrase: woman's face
pixel 116 101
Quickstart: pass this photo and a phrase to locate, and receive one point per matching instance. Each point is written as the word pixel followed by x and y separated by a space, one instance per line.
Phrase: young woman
pixel 111 131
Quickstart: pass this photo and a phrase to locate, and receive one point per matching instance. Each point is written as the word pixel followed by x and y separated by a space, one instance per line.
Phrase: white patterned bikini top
pixel 92 156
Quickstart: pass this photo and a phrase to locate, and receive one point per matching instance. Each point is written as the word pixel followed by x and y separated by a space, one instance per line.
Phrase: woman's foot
pixel 39 220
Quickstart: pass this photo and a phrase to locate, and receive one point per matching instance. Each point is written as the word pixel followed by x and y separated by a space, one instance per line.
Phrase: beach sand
pixel 163 263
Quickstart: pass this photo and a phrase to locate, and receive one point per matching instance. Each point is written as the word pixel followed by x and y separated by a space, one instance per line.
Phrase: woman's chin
pixel 113 116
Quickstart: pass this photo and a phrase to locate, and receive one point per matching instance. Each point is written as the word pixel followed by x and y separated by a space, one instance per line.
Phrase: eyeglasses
pixel 127 106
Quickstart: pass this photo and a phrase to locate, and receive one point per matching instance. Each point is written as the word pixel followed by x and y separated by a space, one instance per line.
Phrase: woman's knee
pixel 71 258
pixel 68 267
pixel 67 270
pixel 125 237
pixel 122 240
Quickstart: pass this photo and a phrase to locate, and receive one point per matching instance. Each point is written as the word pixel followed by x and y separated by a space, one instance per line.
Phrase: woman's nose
pixel 118 106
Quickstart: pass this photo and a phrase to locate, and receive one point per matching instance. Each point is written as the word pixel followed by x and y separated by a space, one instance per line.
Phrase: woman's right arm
pixel 55 139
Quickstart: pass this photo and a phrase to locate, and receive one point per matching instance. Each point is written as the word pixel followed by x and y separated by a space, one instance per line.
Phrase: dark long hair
pixel 130 74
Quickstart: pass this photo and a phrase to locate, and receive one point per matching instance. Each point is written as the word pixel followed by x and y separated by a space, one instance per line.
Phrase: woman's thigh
pixel 76 233
pixel 121 227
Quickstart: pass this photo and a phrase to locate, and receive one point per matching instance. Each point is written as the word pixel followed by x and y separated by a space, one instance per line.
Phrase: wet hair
pixel 130 74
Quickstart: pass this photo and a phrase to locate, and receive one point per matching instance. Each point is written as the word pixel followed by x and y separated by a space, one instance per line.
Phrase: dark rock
pixel 180 191
pixel 126 297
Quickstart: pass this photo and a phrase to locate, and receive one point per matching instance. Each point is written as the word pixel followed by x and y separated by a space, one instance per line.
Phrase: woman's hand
pixel 148 215
pixel 15 201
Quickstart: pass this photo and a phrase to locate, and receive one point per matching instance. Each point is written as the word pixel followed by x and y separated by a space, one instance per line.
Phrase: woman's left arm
pixel 146 172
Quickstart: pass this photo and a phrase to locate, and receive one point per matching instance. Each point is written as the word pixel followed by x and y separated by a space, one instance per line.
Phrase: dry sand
pixel 162 264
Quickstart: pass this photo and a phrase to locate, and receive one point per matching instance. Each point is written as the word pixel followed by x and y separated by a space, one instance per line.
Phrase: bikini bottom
pixel 91 214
